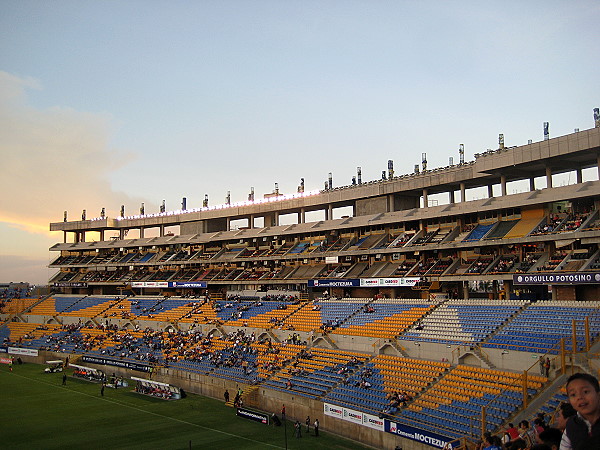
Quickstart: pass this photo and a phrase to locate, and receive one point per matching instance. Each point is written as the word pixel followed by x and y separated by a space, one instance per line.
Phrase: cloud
pixel 53 160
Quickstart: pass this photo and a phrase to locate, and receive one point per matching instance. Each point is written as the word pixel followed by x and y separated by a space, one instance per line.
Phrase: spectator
pixel 583 429
pixel 550 437
pixel 512 432
pixel 490 442
pixel 564 411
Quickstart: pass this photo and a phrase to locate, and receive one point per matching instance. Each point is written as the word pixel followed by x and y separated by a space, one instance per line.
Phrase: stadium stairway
pixel 111 305
pixel 423 317
pixel 584 362
pixel 595 347
pixel 399 348
pixel 540 400
pixel 249 397
pixel 27 310
pixel 504 324
pixel 477 350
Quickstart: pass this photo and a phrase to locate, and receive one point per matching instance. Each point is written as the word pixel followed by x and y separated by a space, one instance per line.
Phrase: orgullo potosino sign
pixel 557 278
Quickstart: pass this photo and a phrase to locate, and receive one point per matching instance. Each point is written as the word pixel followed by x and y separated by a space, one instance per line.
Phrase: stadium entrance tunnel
pixel 264 336
pixel 322 342
pixel 470 359
pixel 389 349
pixel 215 332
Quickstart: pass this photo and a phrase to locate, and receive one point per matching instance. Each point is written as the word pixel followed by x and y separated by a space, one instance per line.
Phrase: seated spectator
pixel 564 411
pixel 550 437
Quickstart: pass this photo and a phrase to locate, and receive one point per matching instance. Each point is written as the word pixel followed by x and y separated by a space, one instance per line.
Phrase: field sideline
pixel 36 411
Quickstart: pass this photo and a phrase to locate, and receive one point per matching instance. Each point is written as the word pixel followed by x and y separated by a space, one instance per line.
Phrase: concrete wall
pixel 402 202
pixel 192 227
pixel 370 206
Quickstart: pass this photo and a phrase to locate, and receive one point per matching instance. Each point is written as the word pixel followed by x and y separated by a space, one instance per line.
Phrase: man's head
pixel 551 437
pixel 564 411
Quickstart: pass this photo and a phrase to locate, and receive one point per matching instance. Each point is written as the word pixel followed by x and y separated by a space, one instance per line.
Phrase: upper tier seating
pixel 479 232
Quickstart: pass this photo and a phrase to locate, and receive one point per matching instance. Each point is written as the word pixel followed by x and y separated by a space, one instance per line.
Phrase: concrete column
pixel 579 176
pixel 276 218
pixel 452 199
pixel 531 184
pixel 161 231
pixel 463 191
pixel 425 198
pixel 141 233
pixel 302 215
pixel 271 219
pixel 64 237
pixel 227 227
pixel 503 184
pixel 251 221
pixel 490 191
pixel 329 212
pixel 598 164
pixel 391 203
pixel 548 177
pixel 507 289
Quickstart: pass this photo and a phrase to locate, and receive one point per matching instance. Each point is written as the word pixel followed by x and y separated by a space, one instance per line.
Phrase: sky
pixel 106 103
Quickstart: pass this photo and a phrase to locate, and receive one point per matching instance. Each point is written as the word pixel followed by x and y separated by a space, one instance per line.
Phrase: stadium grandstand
pixel 451 302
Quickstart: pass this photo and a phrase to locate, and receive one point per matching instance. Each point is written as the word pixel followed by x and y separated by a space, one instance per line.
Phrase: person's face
pixel 561 422
pixel 584 398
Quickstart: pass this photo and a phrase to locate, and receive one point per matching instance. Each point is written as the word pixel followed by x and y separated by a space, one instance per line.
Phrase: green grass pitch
pixel 37 412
